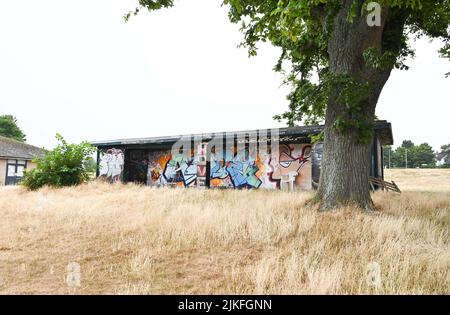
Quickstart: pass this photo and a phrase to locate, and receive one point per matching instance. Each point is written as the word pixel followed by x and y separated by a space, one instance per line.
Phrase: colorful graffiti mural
pixel 290 169
pixel 111 164
pixel 239 171
pixel 166 169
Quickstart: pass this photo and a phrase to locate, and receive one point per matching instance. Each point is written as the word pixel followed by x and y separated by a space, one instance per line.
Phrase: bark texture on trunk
pixel 345 170
pixel 346 160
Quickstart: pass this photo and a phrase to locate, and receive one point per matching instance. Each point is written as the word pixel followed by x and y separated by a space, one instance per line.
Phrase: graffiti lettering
pixel 166 169
pixel 111 165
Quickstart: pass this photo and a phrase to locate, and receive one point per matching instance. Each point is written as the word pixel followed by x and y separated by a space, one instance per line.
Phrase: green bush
pixel 66 165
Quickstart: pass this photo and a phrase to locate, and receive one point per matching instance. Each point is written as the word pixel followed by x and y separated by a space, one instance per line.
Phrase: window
pixel 11 170
pixel 15 171
pixel 20 170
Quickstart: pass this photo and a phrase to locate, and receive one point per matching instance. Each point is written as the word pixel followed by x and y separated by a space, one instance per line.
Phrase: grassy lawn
pixel 420 179
pixel 138 240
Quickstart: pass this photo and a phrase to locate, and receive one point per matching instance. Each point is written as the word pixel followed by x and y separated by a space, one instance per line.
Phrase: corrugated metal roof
pixel 10 148
pixel 382 127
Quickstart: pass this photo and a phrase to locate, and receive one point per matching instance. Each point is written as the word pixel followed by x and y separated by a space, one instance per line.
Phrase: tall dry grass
pixel 420 179
pixel 137 240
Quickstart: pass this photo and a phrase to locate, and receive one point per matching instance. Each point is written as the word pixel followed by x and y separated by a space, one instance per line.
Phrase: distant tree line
pixel 409 155
pixel 445 153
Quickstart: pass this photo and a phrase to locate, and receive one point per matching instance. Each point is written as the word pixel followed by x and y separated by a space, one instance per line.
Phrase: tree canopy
pixel 303 29
pixel 10 129
pixel 407 144
pixel 421 156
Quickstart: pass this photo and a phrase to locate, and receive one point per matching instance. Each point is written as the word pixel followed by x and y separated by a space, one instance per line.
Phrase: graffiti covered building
pixel 281 158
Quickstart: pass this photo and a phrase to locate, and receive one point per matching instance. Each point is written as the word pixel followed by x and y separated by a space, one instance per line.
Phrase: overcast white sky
pixel 75 67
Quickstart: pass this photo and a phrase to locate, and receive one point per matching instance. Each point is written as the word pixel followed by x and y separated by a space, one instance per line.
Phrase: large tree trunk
pixel 346 159
pixel 346 165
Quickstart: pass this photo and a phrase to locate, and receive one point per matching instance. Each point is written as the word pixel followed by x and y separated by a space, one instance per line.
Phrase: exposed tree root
pixel 318 202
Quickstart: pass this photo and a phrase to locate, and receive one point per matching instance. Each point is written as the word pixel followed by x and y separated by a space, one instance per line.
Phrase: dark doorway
pixel 316 164
pixel 136 166
pixel 14 171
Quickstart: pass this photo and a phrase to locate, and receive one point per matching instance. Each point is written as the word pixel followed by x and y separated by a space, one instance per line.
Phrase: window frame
pixel 15 163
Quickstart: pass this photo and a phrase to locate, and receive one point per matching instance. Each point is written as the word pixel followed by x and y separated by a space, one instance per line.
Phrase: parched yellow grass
pixel 420 179
pixel 138 240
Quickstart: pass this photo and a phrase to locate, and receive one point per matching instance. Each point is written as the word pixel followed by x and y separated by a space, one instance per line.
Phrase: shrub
pixel 66 165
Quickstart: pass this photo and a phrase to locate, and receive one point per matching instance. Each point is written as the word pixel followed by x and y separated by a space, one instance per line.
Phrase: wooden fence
pixel 383 185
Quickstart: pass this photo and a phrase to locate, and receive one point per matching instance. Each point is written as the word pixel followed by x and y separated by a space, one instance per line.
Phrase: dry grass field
pixel 420 179
pixel 138 240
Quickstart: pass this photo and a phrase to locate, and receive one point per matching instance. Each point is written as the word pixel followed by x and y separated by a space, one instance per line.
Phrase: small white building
pixel 441 159
pixel 15 158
